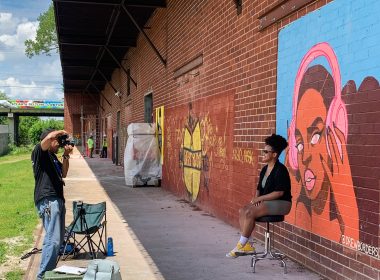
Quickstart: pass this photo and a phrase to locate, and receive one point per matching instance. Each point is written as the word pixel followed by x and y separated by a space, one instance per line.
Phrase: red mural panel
pixel 200 162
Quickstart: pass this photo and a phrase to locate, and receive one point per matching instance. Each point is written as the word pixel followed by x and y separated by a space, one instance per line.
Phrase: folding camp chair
pixel 89 227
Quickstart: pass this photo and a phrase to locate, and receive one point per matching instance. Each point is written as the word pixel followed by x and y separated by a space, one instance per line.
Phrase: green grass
pixel 18 150
pixel 18 217
pixel 2 251
pixel 13 158
pixel 15 275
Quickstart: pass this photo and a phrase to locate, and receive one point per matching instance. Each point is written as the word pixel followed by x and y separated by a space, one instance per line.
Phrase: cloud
pixel 38 78
pixel 52 68
pixel 5 17
pixel 15 89
pixel 13 32
pixel 24 31
pixel 8 23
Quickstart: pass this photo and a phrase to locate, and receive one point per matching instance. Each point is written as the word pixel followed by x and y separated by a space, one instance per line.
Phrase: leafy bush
pixel 17 150
pixel 23 129
pixel 37 128
pixel 30 129
pixel 3 119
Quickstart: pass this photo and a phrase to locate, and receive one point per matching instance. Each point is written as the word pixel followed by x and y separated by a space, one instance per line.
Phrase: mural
pixel 36 104
pixel 200 160
pixel 191 158
pixel 333 174
pixel 160 131
pixel 318 151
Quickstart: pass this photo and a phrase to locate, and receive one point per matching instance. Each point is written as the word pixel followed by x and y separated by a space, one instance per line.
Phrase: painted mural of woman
pixel 324 201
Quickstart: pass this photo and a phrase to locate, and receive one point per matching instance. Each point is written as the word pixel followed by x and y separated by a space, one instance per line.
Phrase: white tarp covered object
pixel 141 156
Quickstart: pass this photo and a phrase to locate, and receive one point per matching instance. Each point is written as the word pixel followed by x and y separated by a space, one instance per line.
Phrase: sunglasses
pixel 266 151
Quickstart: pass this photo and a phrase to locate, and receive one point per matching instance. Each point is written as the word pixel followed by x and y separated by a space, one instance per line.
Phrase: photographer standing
pixel 48 192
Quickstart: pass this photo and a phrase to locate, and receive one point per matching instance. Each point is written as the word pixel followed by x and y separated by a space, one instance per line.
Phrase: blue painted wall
pixel 351 27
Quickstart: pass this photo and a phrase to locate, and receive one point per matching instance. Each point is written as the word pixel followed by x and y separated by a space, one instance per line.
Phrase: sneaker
pixel 241 250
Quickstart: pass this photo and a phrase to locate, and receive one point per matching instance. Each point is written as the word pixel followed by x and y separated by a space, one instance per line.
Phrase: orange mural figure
pixel 324 200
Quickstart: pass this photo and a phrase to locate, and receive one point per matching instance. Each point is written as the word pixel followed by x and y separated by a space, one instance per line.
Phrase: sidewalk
pixel 159 236
pixel 81 184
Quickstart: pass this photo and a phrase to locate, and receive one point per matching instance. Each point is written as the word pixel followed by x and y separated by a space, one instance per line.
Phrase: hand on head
pixel 56 133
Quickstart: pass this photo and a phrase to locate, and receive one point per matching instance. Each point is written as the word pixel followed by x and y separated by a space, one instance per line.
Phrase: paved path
pixel 82 184
pixel 159 236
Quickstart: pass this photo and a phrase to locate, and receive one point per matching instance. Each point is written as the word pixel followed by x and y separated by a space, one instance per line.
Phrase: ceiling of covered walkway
pixel 94 35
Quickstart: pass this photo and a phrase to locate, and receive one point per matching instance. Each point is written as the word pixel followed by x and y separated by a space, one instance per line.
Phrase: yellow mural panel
pixel 192 160
pixel 160 131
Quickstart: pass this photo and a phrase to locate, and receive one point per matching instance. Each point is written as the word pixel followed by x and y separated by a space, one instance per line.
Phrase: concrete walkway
pixel 159 236
pixel 82 184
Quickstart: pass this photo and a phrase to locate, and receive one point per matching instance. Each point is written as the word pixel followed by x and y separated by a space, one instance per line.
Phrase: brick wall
pixel 74 103
pixel 218 113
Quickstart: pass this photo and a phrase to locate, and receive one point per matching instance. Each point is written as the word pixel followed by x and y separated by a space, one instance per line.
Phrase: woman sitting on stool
pixel 273 195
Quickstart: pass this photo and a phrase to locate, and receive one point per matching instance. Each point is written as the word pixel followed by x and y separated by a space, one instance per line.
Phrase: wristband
pixel 65 156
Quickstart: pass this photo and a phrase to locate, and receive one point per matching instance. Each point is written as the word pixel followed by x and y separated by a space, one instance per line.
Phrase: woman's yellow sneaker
pixel 241 250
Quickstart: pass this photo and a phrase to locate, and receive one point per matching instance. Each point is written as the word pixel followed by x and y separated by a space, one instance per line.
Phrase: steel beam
pixel 144 34
pixel 131 3
pixel 121 66
pixel 102 51
pixel 94 45
pixel 105 78
pixel 101 94
pixel 96 101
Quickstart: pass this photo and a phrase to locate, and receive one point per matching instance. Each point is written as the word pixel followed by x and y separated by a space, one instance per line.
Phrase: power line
pixel 51 55
pixel 44 82
pixel 26 74
pixel 31 87
pixel 31 78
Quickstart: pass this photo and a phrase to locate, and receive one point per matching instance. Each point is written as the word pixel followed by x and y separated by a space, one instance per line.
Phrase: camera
pixel 63 141
pixel 82 212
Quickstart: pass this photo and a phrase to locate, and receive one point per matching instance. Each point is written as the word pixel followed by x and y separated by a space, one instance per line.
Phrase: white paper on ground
pixel 70 269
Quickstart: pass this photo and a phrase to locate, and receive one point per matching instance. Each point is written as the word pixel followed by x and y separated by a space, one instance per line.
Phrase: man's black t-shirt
pixel 278 180
pixel 47 171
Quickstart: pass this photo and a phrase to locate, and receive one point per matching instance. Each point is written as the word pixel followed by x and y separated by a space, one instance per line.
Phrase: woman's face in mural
pixel 311 141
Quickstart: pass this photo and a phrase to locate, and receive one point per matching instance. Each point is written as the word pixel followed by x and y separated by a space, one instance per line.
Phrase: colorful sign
pixel 36 104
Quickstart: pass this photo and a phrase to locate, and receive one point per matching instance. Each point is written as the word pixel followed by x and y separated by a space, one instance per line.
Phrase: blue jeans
pixel 52 212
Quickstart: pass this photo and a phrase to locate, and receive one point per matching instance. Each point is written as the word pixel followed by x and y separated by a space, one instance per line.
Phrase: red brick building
pixel 224 74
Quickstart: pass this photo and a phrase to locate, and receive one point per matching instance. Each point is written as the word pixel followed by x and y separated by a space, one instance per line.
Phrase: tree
pixel 46 38
pixel 3 96
pixel 3 119
pixel 24 126
pixel 38 127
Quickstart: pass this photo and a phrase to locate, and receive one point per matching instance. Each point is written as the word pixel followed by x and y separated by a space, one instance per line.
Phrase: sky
pixel 36 78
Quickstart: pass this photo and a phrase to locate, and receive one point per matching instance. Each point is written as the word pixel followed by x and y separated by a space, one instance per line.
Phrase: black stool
pixel 268 253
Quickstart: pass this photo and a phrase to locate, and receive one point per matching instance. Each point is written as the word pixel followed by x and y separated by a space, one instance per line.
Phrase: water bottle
pixel 109 246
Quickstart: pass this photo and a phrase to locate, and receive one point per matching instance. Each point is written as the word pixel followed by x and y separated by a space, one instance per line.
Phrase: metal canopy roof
pixel 94 35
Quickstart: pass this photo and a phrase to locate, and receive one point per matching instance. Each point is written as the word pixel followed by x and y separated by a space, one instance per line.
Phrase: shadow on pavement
pixel 183 241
